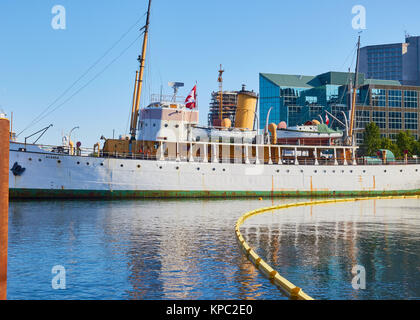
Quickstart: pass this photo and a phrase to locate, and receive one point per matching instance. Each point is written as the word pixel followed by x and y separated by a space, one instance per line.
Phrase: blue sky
pixel 188 41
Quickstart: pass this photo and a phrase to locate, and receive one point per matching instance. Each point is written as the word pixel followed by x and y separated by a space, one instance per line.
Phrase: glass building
pixel 393 108
pixel 396 61
pixel 296 99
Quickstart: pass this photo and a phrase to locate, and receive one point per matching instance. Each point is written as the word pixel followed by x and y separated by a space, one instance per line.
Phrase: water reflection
pixel 132 250
pixel 188 250
pixel 317 247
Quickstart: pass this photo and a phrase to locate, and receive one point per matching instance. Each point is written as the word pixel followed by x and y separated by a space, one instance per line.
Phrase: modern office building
pixel 393 108
pixel 230 99
pixel 296 99
pixel 396 61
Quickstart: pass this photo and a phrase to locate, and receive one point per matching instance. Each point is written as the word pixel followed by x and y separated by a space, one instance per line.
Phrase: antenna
pixel 175 86
pixel 220 80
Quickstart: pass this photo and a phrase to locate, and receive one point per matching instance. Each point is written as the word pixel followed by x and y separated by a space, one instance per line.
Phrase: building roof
pixel 382 45
pixel 382 82
pixel 339 78
pixel 288 80
pixel 328 78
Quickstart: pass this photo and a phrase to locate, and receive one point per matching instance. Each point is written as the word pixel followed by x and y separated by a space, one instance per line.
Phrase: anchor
pixel 17 169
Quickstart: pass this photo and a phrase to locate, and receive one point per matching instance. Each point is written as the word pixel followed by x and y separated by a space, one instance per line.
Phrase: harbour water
pixel 187 249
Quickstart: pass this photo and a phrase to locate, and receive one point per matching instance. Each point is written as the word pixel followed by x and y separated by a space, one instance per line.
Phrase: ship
pixel 168 154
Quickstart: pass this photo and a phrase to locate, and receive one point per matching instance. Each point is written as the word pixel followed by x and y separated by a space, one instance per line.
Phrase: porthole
pixel 224 170
pixel 39 160
pixel 58 161
pixel 385 171
pixel 351 171
pixel 278 171
pixel 177 126
pixel 177 168
pixel 198 169
pixel 166 125
pixel 401 171
pixel 364 171
pixel 102 164
pixel 315 171
pixel 287 171
pixel 78 162
pixel 160 167
pixel 138 166
pixel 121 165
pixel 214 169
pixel 30 159
pixel 87 163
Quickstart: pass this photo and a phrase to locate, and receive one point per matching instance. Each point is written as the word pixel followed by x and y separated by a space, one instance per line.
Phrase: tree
pixel 416 150
pixel 371 139
pixel 406 143
pixel 387 144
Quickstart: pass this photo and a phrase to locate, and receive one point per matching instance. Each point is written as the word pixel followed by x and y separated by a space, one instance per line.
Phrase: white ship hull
pixel 49 175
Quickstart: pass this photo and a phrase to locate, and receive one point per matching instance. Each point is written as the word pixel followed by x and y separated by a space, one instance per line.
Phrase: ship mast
pixel 139 80
pixel 353 105
pixel 220 80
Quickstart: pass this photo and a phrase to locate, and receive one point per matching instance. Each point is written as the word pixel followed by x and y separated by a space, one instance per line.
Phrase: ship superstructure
pixel 169 154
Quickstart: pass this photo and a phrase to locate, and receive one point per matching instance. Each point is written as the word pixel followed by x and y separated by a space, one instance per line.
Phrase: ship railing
pixel 56 150
pixel 216 152
pixel 369 162
pixel 266 154
pixel 166 98
pixel 293 142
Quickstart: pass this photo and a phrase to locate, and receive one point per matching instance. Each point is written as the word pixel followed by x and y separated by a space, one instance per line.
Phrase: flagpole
pixel 196 100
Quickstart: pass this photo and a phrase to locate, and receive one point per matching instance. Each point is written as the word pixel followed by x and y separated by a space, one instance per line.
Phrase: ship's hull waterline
pixel 62 176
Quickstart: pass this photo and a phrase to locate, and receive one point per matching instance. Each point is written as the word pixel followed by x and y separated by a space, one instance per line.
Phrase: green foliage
pixel 417 148
pixel 371 140
pixel 387 143
pixel 405 141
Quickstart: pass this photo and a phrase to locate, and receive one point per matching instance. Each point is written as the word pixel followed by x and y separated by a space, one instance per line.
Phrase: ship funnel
pixel 245 110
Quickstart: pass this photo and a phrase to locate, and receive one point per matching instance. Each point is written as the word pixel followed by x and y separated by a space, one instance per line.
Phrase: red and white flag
pixel 327 120
pixel 190 102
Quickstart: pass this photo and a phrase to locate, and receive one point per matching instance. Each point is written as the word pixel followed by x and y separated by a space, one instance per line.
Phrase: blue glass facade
pixel 297 99
pixel 269 97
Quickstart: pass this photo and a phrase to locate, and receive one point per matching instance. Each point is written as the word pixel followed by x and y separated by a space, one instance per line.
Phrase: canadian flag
pixel 327 120
pixel 191 99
